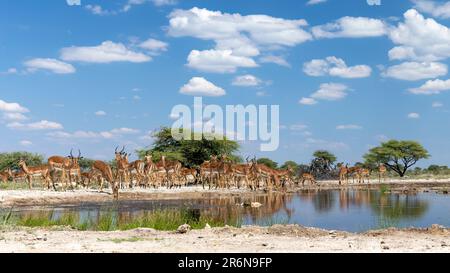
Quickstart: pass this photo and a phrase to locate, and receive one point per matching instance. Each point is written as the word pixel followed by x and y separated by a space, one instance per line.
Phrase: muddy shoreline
pixel 29 198
pixel 248 239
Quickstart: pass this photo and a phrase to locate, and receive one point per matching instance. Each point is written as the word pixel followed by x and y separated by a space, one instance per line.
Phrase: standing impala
pixel 5 175
pixel 66 165
pixel 30 172
pixel 106 174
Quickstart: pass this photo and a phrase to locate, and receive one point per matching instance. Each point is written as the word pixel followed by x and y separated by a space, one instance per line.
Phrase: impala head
pixel 22 162
pixel 148 158
pixel 213 158
pixel 119 155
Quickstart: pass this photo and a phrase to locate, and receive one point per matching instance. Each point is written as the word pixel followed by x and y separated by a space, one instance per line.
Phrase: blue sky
pixel 346 74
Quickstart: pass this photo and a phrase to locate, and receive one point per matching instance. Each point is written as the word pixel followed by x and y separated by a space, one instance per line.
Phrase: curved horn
pixel 71 153
pixel 123 150
pixel 117 148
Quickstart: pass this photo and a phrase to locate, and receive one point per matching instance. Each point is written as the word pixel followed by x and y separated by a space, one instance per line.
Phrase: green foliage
pixel 398 156
pixel 268 162
pixel 85 163
pixel 191 153
pixel 11 160
pixel 325 156
pixel 294 166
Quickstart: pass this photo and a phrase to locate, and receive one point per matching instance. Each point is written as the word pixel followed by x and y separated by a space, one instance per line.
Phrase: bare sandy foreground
pixel 279 238
pixel 27 198
pixel 276 239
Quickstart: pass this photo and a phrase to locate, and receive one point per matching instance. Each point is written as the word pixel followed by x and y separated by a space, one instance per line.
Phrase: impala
pixel 30 172
pixel 106 174
pixel 5 175
pixel 343 173
pixel 382 172
pixel 172 171
pixel 122 166
pixel 308 177
pixel 363 174
pixel 66 165
pixel 137 168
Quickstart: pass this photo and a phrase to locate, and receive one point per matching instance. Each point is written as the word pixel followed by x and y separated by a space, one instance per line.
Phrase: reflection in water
pixel 353 210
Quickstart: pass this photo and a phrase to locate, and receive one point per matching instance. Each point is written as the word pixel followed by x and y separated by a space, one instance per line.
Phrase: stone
pixel 256 205
pixel 184 229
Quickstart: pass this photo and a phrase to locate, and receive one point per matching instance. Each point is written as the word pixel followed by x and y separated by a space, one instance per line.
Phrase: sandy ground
pixel 289 239
pixel 10 198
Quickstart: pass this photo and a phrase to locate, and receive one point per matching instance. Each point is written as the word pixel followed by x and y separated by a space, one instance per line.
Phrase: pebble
pixel 184 229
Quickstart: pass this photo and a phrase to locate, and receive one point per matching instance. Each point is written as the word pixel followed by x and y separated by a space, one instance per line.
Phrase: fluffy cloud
pixel 440 10
pixel 413 71
pixel 114 133
pixel 420 39
pixel 219 61
pixel 198 86
pixel 154 46
pixel 12 107
pixel 14 116
pixel 351 27
pixel 335 67
pixel 432 87
pixel 437 104
pixel 413 115
pixel 307 101
pixel 281 61
pixel 51 65
pixel 40 125
pixel 330 91
pixel 100 113
pixel 238 38
pixel 107 52
pixel 26 143
pixel 246 80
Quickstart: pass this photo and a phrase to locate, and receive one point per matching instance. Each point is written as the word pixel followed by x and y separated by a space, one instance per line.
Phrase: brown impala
pixel 66 165
pixel 30 172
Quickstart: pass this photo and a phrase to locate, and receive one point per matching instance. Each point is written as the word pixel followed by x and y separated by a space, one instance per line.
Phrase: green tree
pixel 325 156
pixel 397 155
pixel 11 160
pixel 294 166
pixel 85 163
pixel 191 153
pixel 268 162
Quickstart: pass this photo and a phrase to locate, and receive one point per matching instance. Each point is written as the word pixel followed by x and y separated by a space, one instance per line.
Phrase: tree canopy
pixel 397 155
pixel 325 156
pixel 294 166
pixel 11 160
pixel 190 153
pixel 268 162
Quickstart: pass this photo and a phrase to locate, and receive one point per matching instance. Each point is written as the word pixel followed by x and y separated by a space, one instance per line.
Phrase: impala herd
pixel 219 173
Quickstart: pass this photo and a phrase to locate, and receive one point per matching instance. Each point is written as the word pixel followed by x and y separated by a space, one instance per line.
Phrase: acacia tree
pixel 397 155
pixel 11 160
pixel 191 153
pixel 268 162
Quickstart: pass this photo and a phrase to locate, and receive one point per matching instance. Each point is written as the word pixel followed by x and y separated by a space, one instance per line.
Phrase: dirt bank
pixel 9 198
pixel 291 238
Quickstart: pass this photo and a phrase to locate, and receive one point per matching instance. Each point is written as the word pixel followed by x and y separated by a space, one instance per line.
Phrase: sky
pixel 347 75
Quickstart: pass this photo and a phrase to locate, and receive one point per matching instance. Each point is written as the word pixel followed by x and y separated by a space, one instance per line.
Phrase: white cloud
pixel 98 10
pixel 219 61
pixel 246 80
pixel 413 115
pixel 335 67
pixel 52 65
pixel 432 87
pixel 25 143
pixel 413 71
pixel 12 107
pixel 330 91
pixel 154 46
pixel 298 127
pixel 351 27
pixel 107 52
pixel 198 86
pixel 100 113
pixel 348 127
pixel 281 61
pixel 315 2
pixel 114 133
pixel 238 37
pixel 40 125
pixel 437 104
pixel 440 10
pixel 73 2
pixel 10 71
pixel 308 101
pixel 14 116
pixel 419 39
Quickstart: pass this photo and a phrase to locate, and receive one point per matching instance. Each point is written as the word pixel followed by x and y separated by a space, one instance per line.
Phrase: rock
pixel 385 247
pixel 256 205
pixel 437 227
pixel 184 229
pixel 265 244
pixel 332 232
pixel 207 226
